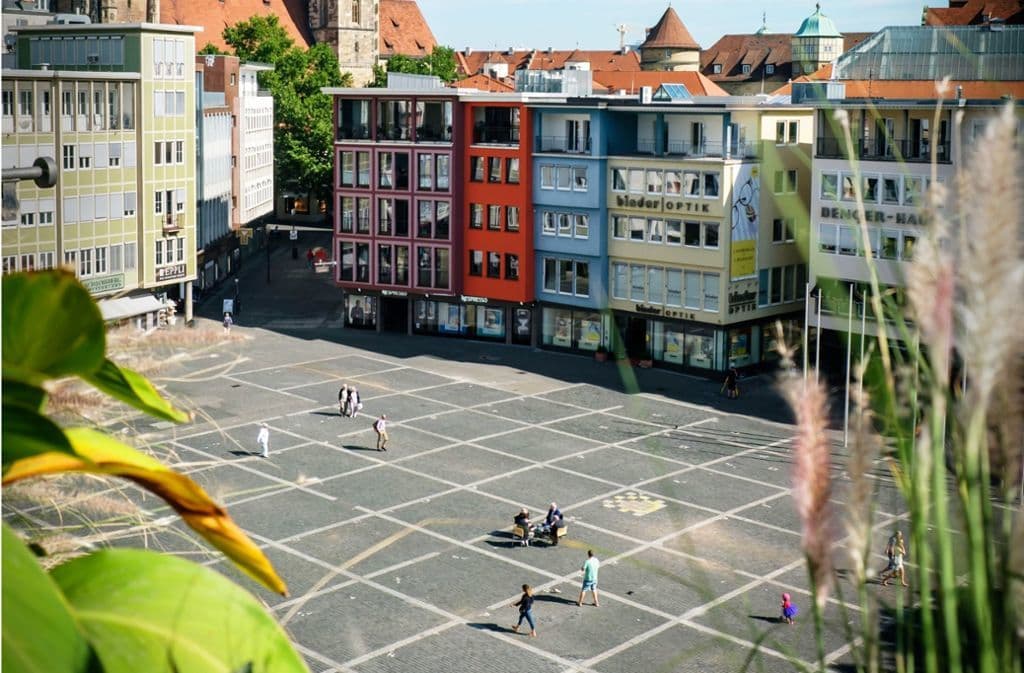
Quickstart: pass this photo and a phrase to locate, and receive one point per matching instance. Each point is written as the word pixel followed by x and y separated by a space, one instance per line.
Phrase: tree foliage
pixel 303 133
pixel 210 49
pixel 440 62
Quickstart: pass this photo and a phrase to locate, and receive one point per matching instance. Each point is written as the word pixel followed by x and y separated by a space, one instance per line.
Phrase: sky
pixel 591 24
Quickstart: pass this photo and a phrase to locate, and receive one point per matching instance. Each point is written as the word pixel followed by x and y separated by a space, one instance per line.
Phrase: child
pixel 788 609
pixel 525 606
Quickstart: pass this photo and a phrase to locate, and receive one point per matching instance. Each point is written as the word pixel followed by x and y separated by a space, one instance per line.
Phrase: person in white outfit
pixel 263 439
pixel 381 427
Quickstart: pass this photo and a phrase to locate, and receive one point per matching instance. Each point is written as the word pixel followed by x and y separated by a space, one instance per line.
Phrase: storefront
pixel 575 329
pixel 474 318
pixel 361 310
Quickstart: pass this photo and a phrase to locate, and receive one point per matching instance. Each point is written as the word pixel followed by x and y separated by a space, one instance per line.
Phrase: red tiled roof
pixel 533 59
pixel 484 83
pixel 901 89
pixel 969 12
pixel 757 51
pixel 696 83
pixel 403 30
pixel 669 33
pixel 214 17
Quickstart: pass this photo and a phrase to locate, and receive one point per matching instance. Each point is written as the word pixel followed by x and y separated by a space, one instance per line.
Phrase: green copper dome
pixel 817 25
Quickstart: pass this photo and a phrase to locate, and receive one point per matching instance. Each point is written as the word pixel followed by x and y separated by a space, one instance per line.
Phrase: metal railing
pixel 570 145
pixel 892 149
pixel 503 135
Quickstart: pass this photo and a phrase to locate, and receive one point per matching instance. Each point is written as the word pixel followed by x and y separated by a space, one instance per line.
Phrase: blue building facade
pixel 571 228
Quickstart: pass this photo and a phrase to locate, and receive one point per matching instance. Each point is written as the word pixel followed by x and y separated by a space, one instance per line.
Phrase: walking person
pixel 355 404
pixel 896 550
pixel 228 322
pixel 525 605
pixel 343 400
pixel 380 426
pixel 590 568
pixel 731 384
pixel 263 440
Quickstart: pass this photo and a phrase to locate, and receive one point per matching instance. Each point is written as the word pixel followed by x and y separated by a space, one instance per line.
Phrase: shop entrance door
pixel 636 338
pixel 394 314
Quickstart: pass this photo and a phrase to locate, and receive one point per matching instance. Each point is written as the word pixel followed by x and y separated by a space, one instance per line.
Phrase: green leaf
pixel 26 432
pixel 23 394
pixel 39 633
pixel 97 453
pixel 144 611
pixel 135 389
pixel 52 327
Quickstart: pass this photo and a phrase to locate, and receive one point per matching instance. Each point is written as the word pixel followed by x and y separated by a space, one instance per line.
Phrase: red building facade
pixel 396 180
pixel 497 216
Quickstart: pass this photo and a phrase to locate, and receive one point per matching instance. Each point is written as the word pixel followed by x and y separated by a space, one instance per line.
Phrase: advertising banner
pixel 746 203
pixel 491 322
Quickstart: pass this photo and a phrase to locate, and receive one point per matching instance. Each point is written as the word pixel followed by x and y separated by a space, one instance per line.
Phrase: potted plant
pixel 601 354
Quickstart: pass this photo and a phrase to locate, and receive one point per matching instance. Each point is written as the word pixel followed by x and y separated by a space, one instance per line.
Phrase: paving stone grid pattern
pixel 403 560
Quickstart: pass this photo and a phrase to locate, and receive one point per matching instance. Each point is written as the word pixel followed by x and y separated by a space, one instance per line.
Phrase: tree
pixel 303 134
pixel 211 49
pixel 440 62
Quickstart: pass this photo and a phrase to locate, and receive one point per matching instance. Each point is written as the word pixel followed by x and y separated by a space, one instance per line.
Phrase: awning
pixel 129 307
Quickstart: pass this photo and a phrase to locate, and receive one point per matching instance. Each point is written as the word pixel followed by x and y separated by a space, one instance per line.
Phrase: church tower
pixel 816 43
pixel 352 28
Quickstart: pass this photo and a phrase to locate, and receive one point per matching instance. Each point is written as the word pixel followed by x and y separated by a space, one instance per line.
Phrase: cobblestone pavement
pixel 403 560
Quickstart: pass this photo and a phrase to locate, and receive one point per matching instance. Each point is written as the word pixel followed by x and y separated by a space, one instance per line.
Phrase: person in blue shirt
pixel 552 522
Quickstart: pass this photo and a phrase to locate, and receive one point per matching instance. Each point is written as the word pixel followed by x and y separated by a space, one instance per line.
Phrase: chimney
pixel 467 51
pixel 511 51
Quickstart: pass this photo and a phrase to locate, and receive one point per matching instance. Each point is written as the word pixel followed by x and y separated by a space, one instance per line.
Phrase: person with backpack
pixel 380 426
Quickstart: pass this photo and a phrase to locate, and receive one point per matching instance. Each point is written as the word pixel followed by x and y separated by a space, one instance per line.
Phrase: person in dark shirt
pixel 553 521
pixel 523 521
pixel 525 605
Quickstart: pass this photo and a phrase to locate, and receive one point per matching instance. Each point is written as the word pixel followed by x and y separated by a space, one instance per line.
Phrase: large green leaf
pixel 26 432
pixel 134 389
pixel 52 327
pixel 39 634
pixel 144 611
pixel 98 453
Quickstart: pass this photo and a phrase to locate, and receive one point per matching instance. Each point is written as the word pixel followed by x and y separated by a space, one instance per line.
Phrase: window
pixel 711 292
pixel 827 234
pixel 85 261
pixel 619 176
pixel 566 276
pixel 891 189
pixel 691 183
pixel 130 257
pixel 494 265
pixel 890 244
pixel 782 230
pixel 116 263
pixel 654 185
pixel 849 190
pixel 909 241
pixel 494 169
pixel 829 187
pixel 426 171
pixel 69 157
pixel 581 226
pixel 619 280
pixel 476 263
pixel 913 191
pixel 179 151
pixel 563 178
pixel 582 271
pixel 548 223
pixel 384 264
pixel 870 188
pixel 363 161
pixel 674 287
pixel 442 225
pixel 27 219
pixel 636 228
pixel 476 216
pixel 494 218
pixel 655 231
pixel 512 218
pixel 692 234
pixel 655 285
pixel 363 215
pixel 550 274
pixel 579 179
pixel 129 204
pixel 547 177
pixel 443 175
pixel 348 169
pixel 564 224
pixel 101 260
pixel 769 69
pixel 847 240
pixel 168 149
pixel 512 176
pixel 710 185
pixel 620 224
pixel 674 232
pixel 636 181
pixel 673 185
pixel 511 267
pixel 476 169
pixel 385 217
pixel 114 155
pixel 785 181
pixel 425 222
pixel 637 287
pixel 693 289
pixel 385 170
pixel 716 69
pixel 746 68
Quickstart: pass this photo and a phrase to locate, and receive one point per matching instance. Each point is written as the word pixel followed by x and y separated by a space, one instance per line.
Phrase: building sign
pixel 466 299
pixel 394 293
pixel 172 272
pixel 873 216
pixel 743 297
pixel 648 309
pixel 667 204
pixel 746 195
pixel 105 284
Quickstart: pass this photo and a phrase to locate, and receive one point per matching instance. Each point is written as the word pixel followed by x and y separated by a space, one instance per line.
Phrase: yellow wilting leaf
pixel 99 454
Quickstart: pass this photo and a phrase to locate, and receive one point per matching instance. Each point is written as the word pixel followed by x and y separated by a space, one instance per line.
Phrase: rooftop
pixel 817 25
pixel 669 33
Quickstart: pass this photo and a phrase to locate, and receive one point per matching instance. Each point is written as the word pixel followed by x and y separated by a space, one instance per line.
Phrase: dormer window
pixel 746 68
pixel 769 69
pixel 716 69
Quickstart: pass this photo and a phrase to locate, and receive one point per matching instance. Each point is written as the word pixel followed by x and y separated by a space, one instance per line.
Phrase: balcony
pixel 569 145
pixel 894 149
pixel 496 135
pixel 714 150
pixel 432 133
pixel 173 223
pixel 354 132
